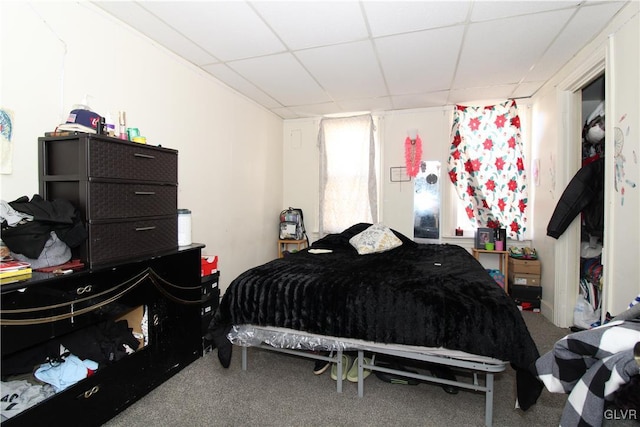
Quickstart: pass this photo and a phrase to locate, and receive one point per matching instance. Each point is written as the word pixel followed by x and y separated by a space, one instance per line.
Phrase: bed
pixel 417 298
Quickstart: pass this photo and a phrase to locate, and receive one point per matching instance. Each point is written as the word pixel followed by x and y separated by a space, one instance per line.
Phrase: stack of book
pixel 14 271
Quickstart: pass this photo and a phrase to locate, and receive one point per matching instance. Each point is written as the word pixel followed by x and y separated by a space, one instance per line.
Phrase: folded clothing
pixel 66 373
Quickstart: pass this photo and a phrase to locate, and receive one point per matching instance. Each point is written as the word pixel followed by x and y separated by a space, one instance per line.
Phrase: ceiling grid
pixel 311 58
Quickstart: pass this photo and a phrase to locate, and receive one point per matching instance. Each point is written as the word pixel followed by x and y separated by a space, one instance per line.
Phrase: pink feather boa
pixel 413 155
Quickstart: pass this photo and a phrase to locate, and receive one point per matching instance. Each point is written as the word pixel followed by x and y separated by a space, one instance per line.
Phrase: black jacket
pixel 585 193
pixel 29 237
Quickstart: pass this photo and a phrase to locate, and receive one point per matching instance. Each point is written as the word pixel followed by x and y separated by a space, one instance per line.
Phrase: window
pixel 348 184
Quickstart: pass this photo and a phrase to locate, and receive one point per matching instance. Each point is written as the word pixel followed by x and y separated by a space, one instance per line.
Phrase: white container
pixel 184 227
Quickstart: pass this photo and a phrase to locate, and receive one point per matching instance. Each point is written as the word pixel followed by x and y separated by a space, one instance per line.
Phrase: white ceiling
pixel 311 58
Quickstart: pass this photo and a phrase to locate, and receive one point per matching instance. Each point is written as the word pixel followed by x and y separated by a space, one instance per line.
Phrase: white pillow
pixel 377 238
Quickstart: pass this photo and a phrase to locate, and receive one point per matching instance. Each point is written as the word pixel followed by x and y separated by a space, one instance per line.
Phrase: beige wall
pixel 396 200
pixel 230 149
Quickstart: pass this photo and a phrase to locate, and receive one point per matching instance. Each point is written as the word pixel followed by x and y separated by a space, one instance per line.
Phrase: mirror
pixel 426 201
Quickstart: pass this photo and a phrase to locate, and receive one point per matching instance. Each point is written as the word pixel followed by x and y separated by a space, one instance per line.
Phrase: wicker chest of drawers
pixel 126 192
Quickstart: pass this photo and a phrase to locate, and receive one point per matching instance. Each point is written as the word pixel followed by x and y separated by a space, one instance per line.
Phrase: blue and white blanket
pixel 590 366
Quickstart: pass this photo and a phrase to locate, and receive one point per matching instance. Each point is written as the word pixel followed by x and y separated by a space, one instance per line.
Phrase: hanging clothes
pixel 584 193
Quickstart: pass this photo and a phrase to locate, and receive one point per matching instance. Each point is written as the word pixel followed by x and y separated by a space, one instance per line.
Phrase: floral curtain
pixel 486 165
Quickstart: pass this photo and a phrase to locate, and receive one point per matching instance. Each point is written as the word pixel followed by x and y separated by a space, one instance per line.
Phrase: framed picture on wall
pixel 483 235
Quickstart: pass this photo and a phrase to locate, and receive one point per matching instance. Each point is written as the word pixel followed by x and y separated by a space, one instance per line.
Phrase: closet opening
pixel 588 310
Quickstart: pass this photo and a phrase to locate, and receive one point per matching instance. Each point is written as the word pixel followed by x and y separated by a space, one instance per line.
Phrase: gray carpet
pixel 281 390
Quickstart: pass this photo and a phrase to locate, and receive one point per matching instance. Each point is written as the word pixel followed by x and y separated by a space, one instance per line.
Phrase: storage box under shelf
pixel 210 303
pixel 524 266
pixel 524 279
pixel 527 297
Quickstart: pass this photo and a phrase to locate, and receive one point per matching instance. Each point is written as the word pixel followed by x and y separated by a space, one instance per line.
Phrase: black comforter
pixel 417 294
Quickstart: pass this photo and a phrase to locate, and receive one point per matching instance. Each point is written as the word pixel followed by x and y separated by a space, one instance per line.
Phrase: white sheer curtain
pixel 348 187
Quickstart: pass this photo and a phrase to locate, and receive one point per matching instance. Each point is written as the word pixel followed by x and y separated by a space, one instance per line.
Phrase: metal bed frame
pixel 477 365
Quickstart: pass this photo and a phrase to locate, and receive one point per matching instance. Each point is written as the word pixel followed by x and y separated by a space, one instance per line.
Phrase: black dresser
pixel 126 192
pixel 47 310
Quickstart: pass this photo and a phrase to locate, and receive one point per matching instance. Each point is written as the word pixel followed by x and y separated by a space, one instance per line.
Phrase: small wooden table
pixel 503 263
pixel 283 243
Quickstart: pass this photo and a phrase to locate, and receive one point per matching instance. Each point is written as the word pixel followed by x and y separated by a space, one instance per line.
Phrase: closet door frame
pixel 567 247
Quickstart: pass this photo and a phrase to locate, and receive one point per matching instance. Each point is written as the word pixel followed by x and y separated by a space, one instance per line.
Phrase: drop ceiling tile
pixel 370 104
pixel 431 99
pixel 526 90
pixel 490 10
pixel 285 113
pixel 306 24
pixel 228 30
pixel 240 84
pixel 396 17
pixel 500 52
pixel 586 24
pixel 316 110
pixel 419 62
pixel 140 19
pixel 473 95
pixel 345 71
pixel 283 78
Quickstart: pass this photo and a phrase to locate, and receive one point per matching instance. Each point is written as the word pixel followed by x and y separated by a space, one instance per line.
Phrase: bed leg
pixel 488 410
pixel 244 358
pixel 340 368
pixel 360 373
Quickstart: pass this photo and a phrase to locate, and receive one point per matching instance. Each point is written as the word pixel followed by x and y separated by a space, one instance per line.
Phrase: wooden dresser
pixel 126 192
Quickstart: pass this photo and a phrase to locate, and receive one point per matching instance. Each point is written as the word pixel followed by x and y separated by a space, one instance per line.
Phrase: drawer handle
pixel 144 193
pixel 144 156
pixel 83 290
pixel 93 390
pixel 145 228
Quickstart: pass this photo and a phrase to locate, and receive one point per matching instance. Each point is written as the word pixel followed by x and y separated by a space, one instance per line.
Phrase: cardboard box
pixel 524 279
pixel 134 320
pixel 524 266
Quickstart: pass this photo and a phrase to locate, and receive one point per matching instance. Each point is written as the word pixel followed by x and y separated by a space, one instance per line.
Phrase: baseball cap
pixel 81 120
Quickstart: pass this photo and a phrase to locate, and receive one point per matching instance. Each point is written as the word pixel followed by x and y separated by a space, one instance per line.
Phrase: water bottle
pixel 184 227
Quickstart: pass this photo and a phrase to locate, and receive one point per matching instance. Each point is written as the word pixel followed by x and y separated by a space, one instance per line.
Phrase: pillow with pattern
pixel 375 239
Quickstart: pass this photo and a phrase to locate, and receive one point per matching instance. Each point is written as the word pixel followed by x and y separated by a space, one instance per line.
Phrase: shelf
pixel 284 243
pixel 503 263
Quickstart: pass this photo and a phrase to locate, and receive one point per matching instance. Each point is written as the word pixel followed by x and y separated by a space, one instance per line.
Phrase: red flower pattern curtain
pixel 487 167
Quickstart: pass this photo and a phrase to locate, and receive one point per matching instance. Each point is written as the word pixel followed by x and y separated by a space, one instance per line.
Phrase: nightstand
pixel 283 244
pixel 503 263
